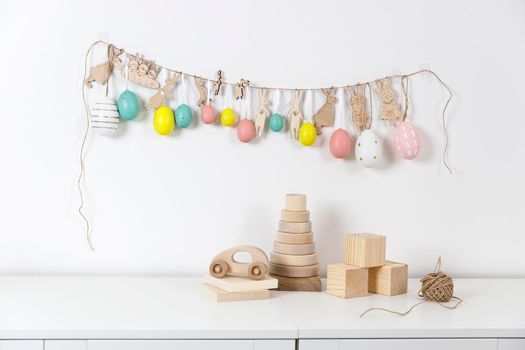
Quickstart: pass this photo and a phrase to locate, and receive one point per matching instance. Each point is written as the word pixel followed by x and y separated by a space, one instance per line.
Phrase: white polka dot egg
pixel 368 149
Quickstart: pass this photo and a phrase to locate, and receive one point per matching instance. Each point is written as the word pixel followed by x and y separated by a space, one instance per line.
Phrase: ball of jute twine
pixel 435 287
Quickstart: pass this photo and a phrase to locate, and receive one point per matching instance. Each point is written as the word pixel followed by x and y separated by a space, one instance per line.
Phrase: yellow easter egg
pixel 228 117
pixel 307 134
pixel 163 120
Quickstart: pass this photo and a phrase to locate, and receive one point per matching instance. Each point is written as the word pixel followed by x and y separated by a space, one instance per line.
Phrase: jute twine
pixel 435 287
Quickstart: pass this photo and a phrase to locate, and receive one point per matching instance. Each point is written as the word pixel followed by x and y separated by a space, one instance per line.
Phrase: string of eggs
pixel 105 114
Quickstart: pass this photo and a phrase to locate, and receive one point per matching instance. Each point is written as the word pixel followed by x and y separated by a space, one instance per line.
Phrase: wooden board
pixel 390 279
pixel 346 281
pixel 295 227
pixel 221 295
pixel 293 260
pixel 294 271
pixel 295 202
pixel 294 249
pixel 294 238
pixel 295 216
pixel 365 250
pixel 299 284
pixel 240 284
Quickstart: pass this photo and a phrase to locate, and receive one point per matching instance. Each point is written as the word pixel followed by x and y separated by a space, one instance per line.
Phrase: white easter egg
pixel 104 116
pixel 368 149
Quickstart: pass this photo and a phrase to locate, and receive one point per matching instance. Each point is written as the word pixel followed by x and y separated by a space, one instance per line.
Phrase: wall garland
pixel 104 115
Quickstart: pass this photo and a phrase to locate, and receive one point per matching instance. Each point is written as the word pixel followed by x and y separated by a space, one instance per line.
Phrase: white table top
pixel 176 308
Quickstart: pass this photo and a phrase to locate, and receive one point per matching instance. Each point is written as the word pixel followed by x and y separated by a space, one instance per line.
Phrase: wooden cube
pixel 365 250
pixel 346 281
pixel 390 279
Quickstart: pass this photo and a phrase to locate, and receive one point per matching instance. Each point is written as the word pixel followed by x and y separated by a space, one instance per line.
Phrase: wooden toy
pixel 294 238
pixel 160 97
pixel 295 227
pixel 202 91
pixel 218 83
pixel 221 295
pixel 295 271
pixel 295 216
pixel 101 72
pixel 262 114
pixel 294 249
pixel 299 284
pixel 324 117
pixel 225 263
pixel 295 115
pixel 140 71
pixel 293 260
pixel 365 250
pixel 295 202
pixel 389 109
pixel 358 103
pixel 241 284
pixel 240 87
pixel 390 279
pixel 346 281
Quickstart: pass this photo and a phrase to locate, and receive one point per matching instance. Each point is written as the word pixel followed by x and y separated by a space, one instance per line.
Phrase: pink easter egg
pixel 407 141
pixel 340 143
pixel 246 130
pixel 208 114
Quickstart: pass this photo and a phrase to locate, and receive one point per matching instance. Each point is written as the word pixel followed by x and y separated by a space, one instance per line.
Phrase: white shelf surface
pixel 176 308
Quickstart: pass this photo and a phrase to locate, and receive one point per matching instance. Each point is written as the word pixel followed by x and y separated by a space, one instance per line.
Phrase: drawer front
pixel 511 344
pixel 21 345
pixel 399 344
pixel 170 345
pixel 65 345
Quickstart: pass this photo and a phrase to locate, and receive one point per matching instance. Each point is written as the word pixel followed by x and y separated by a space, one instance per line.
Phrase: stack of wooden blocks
pixel 294 260
pixel 365 269
pixel 237 288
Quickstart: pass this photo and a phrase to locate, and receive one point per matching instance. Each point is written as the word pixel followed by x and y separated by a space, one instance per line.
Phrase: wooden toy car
pixel 224 263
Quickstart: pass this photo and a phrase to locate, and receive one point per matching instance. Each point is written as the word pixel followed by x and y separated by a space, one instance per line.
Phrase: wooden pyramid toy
pixel 232 280
pixel 293 260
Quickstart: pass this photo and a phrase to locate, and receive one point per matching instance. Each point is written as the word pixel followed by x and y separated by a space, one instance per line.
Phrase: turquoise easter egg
pixel 128 105
pixel 183 116
pixel 276 122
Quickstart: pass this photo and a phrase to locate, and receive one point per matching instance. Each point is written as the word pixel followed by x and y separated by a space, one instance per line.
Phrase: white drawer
pixel 189 345
pixel 21 344
pixel 399 344
pixel 511 344
pixel 65 344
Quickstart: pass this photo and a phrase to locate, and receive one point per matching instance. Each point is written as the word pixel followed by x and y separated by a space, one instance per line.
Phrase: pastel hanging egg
pixel 208 114
pixel 183 116
pixel 228 117
pixel 163 120
pixel 128 105
pixel 307 134
pixel 340 143
pixel 276 122
pixel 104 116
pixel 368 149
pixel 407 141
pixel 246 130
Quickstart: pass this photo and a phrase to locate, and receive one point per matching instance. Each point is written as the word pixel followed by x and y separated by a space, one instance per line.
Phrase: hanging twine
pixel 436 287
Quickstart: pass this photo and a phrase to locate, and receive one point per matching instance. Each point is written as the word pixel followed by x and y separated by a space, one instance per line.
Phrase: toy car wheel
pixel 257 271
pixel 218 268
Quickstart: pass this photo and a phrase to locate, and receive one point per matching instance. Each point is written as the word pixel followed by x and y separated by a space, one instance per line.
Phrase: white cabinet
pixel 511 344
pixel 189 345
pixel 400 344
pixel 65 345
pixel 21 345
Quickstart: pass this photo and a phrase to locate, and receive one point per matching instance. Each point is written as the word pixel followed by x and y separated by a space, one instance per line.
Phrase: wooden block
pixel 295 216
pixel 365 250
pixel 294 271
pixel 295 227
pixel 294 238
pixel 295 202
pixel 294 249
pixel 240 284
pixel 299 284
pixel 346 281
pixel 390 279
pixel 220 295
pixel 294 260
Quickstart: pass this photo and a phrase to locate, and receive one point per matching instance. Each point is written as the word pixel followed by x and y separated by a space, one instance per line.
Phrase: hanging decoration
pixel 104 114
pixel 324 117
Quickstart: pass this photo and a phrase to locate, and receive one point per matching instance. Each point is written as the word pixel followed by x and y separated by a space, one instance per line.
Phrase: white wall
pixel 167 205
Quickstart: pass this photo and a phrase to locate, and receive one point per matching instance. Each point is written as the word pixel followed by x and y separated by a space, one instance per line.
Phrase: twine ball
pixel 437 286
